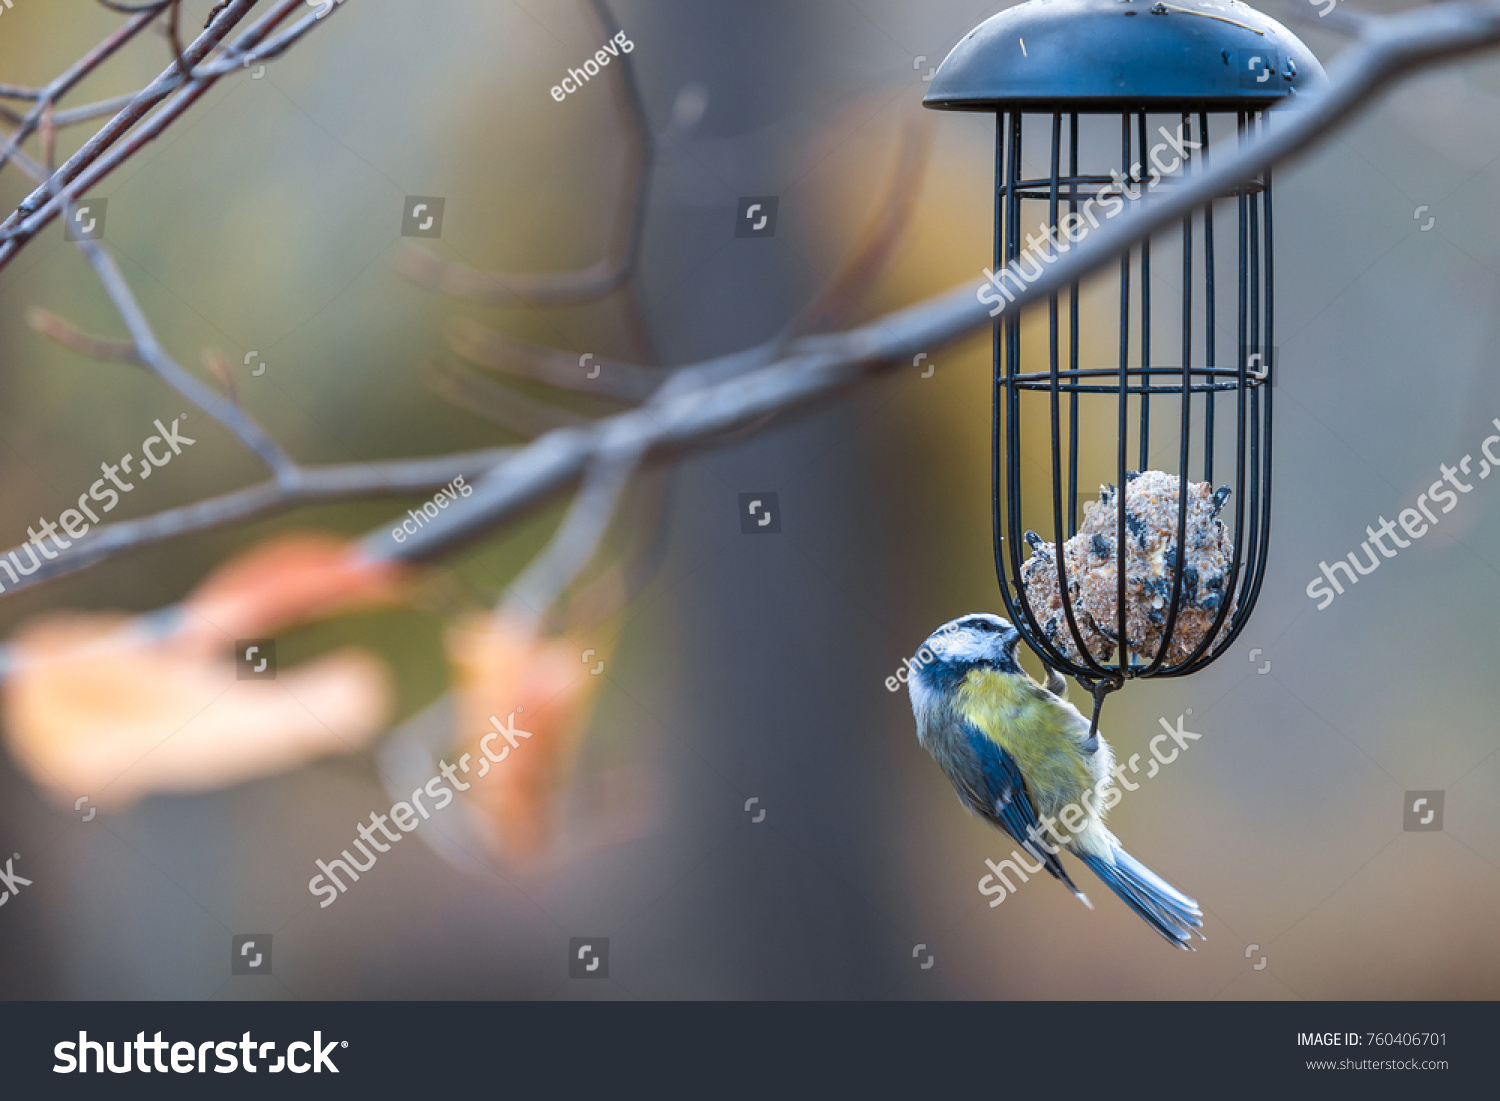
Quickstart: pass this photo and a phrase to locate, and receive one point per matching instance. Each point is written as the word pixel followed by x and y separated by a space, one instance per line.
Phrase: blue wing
pixel 1006 802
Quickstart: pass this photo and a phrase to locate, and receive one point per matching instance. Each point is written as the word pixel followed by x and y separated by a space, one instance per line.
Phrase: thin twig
pixel 878 243
pixel 179 378
pixel 35 169
pixel 497 403
pixel 84 113
pixel 587 373
pixel 605 595
pixel 174 13
pixel 70 336
pixel 531 596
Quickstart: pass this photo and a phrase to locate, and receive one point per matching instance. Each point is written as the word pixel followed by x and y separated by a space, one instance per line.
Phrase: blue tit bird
pixel 1020 756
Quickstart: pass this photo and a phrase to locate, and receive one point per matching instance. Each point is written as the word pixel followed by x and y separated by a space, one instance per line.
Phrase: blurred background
pixel 751 668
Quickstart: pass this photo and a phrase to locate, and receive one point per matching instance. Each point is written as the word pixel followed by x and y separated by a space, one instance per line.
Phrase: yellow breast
pixel 1019 717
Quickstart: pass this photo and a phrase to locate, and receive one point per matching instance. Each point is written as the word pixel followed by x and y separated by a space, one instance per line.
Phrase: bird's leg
pixel 1057 684
pixel 1100 689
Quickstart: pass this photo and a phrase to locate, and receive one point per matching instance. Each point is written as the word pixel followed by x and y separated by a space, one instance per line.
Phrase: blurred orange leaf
pixel 290 579
pixel 502 668
pixel 97 706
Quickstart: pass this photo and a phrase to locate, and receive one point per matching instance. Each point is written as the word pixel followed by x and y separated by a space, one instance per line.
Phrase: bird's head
pixel 978 640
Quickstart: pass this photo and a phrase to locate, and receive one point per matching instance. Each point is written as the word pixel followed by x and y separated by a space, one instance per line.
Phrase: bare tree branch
pixel 337 482
pixel 695 410
pixel 532 595
pixel 74 73
pixel 698 404
pixel 100 155
pixel 179 378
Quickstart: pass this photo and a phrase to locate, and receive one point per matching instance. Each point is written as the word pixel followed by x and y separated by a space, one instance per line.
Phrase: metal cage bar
pixel 1135 386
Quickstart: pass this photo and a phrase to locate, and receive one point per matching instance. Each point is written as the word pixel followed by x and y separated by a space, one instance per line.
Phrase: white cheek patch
pixel 950 645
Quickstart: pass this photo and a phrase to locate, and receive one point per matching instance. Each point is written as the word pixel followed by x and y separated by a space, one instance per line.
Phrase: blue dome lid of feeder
pixel 1109 54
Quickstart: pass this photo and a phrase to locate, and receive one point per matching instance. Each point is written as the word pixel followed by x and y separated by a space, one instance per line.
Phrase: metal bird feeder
pixel 1096 103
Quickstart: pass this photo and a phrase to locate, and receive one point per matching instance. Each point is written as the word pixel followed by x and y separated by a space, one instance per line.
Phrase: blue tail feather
pixel 1166 909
